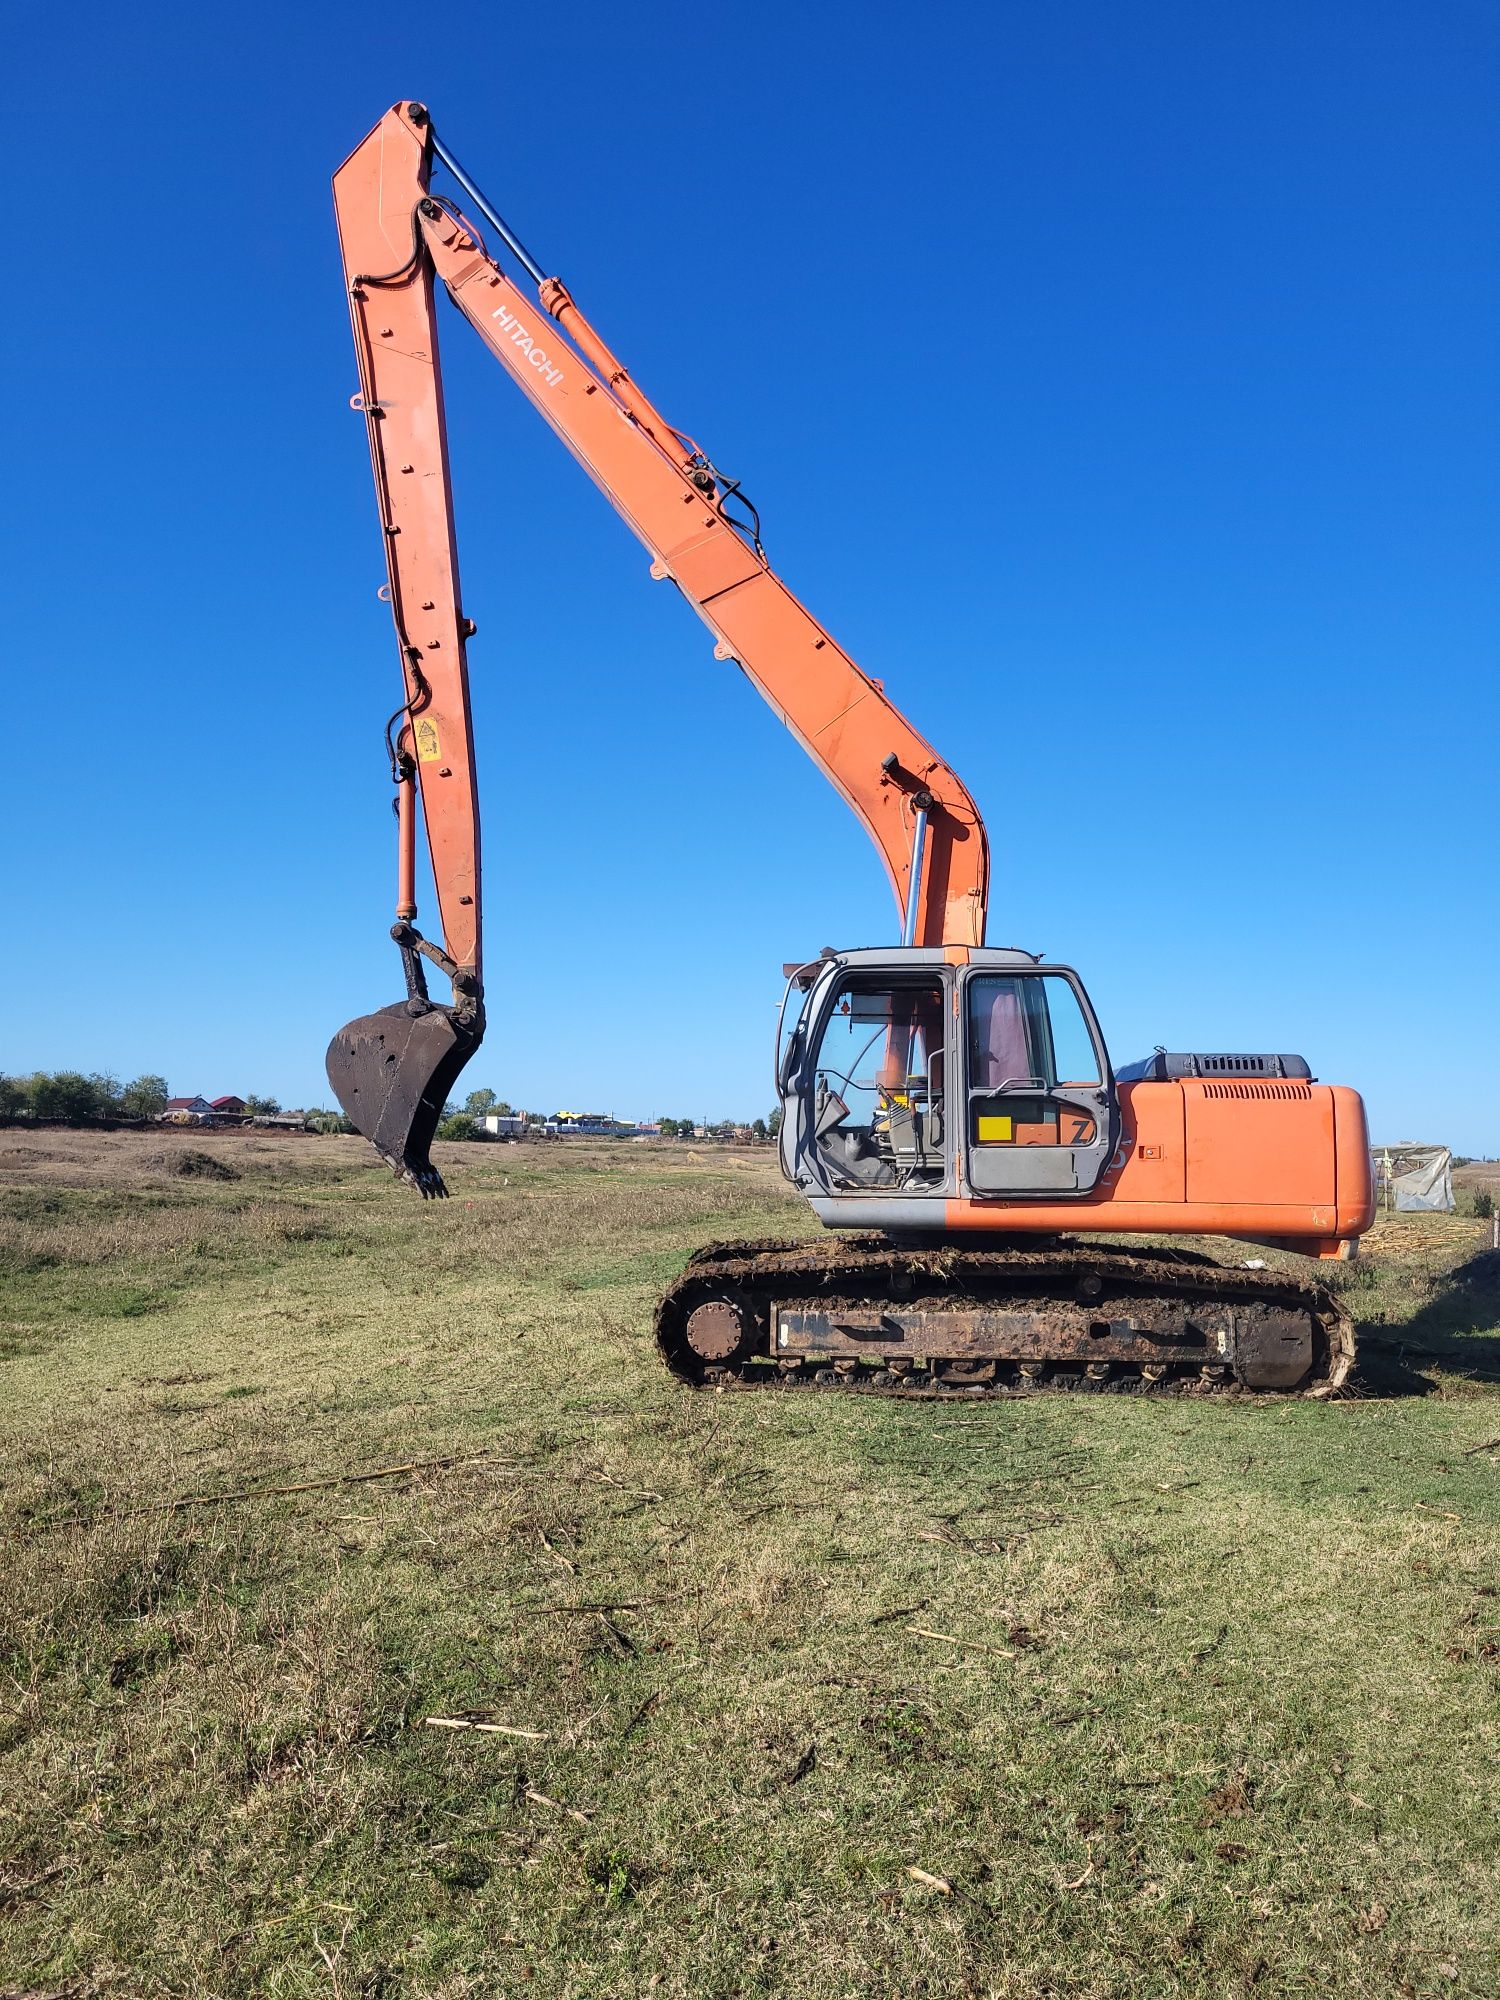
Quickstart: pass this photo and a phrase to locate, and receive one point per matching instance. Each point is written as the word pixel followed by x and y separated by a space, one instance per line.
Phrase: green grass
pixel 1223 1719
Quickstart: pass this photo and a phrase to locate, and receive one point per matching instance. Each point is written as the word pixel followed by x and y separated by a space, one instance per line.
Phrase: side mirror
pixel 791 1057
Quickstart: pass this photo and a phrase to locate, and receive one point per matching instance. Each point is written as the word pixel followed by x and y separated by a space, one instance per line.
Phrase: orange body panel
pixel 1243 1135
pixel 1221 1160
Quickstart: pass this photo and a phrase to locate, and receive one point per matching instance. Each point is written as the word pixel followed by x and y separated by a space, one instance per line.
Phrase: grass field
pixel 807 1696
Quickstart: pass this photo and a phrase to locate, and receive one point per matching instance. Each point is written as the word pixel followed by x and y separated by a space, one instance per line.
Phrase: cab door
pixel 1039 1093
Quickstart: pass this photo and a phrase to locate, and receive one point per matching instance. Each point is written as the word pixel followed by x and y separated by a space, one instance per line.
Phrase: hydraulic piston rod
pixel 496 221
pixel 914 890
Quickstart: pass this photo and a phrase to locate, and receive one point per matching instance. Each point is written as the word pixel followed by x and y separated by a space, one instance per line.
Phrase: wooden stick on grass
pixel 541 1799
pixel 952 1639
pixel 645 1709
pixel 489 1728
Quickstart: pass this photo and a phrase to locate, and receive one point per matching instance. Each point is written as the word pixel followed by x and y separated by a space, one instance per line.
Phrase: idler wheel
pixel 716 1330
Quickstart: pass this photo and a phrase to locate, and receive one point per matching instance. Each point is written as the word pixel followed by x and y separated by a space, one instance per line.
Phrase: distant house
pixel 187 1111
pixel 567 1125
pixel 228 1107
pixel 505 1124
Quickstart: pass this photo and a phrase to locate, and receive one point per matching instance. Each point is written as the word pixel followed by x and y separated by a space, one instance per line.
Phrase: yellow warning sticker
pixel 428 748
pixel 994 1131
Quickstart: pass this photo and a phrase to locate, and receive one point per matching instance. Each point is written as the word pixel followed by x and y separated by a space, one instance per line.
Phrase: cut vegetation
pixel 380 1619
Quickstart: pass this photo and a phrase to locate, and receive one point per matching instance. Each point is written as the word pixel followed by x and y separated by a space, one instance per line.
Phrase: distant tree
pixel 773 1123
pixel 459 1126
pixel 480 1103
pixel 15 1097
pixel 68 1095
pixel 758 1129
pixel 146 1097
pixel 52 1096
pixel 261 1107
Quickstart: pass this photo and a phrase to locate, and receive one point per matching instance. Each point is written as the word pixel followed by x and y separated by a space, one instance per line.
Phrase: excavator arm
pixel 392 1070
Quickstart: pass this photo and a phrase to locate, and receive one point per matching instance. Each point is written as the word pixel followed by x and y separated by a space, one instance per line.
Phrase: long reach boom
pixel 397 240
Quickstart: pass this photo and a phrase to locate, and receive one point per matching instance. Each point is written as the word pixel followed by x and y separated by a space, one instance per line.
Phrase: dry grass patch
pixel 1210 1708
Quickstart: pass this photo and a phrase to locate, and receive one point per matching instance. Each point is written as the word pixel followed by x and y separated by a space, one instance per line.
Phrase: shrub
pixel 459 1126
pixel 193 1164
pixel 1484 1204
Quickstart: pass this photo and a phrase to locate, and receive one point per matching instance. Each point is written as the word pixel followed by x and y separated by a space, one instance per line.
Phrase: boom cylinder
pixel 559 302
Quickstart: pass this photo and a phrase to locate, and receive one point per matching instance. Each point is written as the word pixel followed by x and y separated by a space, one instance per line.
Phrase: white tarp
pixel 1416 1177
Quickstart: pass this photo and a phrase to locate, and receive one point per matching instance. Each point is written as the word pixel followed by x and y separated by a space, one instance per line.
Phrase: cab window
pixel 878 1083
pixel 1028 1037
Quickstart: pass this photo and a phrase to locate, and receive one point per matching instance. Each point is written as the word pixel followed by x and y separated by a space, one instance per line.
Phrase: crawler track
pixel 861 1314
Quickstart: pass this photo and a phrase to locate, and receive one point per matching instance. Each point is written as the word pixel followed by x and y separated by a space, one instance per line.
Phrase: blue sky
pixel 1118 384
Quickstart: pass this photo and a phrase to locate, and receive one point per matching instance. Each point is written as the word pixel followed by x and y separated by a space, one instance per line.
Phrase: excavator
pixel 949 1110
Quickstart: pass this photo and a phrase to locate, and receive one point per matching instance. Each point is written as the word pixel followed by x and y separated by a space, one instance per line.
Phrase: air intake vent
pixel 1167 1067
pixel 1296 1093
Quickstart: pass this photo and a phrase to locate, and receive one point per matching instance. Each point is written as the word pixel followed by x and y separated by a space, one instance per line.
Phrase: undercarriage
pixel 865 1314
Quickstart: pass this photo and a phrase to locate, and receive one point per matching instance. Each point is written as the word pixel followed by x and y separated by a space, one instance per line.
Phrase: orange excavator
pixel 949 1108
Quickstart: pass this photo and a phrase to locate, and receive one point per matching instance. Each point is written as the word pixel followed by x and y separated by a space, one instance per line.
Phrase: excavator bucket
pixel 392 1072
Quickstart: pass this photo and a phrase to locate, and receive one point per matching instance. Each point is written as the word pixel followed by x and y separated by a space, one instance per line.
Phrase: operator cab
pixel 904 1076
